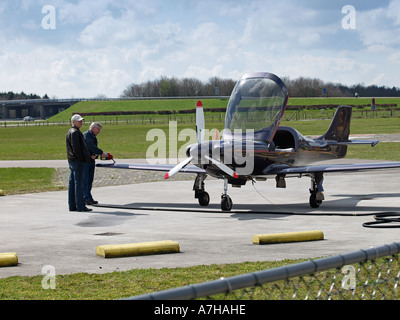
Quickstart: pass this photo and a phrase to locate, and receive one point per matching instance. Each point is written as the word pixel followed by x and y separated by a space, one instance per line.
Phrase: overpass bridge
pixel 42 108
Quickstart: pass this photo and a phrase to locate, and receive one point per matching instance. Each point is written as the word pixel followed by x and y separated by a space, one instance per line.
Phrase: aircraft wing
pixel 272 170
pixel 283 169
pixel 149 167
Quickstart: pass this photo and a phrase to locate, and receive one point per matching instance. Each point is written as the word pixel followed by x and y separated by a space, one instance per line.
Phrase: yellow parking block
pixel 288 237
pixel 137 249
pixel 8 259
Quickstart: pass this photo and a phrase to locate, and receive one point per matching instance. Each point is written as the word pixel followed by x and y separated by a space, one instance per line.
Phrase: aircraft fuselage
pixel 252 158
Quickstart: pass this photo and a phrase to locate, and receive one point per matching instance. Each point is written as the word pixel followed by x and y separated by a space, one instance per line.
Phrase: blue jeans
pixel 88 181
pixel 75 185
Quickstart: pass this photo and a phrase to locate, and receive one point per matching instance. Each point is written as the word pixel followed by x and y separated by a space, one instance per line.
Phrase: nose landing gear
pixel 204 198
pixel 226 201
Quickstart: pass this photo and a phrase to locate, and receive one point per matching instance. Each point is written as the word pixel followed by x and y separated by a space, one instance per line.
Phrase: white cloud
pixel 101 46
pixel 103 32
pixel 81 12
pixel 65 73
pixel 2 7
pixel 380 28
pixel 343 68
pixel 394 58
pixel 202 72
pixel 394 12
pixel 309 39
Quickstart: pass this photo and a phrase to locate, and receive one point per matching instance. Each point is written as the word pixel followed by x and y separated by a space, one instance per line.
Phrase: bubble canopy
pixel 257 103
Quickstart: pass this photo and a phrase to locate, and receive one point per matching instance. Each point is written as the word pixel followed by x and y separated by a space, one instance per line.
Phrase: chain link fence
pixel 371 274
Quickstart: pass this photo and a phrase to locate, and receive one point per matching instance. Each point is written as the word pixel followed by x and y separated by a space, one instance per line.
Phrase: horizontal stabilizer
pixel 373 143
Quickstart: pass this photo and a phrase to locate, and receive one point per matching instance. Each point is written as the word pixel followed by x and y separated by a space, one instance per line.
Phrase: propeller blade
pixel 216 134
pixel 178 167
pixel 223 167
pixel 200 122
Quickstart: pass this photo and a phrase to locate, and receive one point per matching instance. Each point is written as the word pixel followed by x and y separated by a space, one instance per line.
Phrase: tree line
pixel 185 87
pixel 10 95
pixel 312 87
pixel 215 86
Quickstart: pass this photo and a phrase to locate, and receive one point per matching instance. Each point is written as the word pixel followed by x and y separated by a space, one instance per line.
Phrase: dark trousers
pixel 88 181
pixel 75 185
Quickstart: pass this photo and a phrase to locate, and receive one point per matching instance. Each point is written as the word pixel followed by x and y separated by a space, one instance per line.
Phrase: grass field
pixel 120 285
pixel 27 180
pixel 129 141
pixel 136 105
pixel 125 284
pixel 185 104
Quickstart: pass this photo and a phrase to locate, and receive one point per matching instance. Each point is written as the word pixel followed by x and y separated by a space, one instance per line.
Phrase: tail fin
pixel 337 136
pixel 339 129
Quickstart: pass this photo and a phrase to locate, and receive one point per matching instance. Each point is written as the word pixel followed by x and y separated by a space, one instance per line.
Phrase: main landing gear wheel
pixel 317 190
pixel 314 203
pixel 226 203
pixel 204 199
pixel 199 191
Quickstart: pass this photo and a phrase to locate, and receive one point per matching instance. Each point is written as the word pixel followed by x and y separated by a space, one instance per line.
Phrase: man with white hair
pixel 78 155
pixel 91 143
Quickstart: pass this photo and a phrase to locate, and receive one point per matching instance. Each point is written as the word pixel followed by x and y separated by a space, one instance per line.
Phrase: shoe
pixel 90 202
pixel 72 210
pixel 85 209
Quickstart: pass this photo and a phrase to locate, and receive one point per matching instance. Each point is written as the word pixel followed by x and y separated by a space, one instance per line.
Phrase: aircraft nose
pixel 198 151
pixel 191 150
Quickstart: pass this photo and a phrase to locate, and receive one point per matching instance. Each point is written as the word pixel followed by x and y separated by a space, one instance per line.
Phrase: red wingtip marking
pixel 166 176
pixel 235 175
pixel 199 104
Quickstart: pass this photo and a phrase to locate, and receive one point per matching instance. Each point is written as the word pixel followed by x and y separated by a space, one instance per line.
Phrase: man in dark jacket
pixel 78 155
pixel 91 143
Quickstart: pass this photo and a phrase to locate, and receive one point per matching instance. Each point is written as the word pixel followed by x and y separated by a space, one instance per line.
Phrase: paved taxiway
pixel 41 230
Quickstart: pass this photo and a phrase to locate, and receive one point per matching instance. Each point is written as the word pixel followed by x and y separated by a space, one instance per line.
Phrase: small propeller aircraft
pixel 254 146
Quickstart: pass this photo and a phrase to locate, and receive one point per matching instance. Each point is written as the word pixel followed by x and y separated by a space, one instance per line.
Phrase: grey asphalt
pixel 41 230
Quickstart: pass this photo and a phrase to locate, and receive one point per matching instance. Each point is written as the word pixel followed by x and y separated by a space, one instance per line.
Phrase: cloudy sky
pixel 83 48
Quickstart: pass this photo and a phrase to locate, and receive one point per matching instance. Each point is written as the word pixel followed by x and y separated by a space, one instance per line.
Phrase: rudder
pixel 339 130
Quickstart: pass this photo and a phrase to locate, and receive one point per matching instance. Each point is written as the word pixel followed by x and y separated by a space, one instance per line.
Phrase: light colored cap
pixel 76 117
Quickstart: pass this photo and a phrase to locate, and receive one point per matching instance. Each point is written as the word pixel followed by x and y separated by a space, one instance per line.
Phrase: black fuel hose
pixel 382 220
